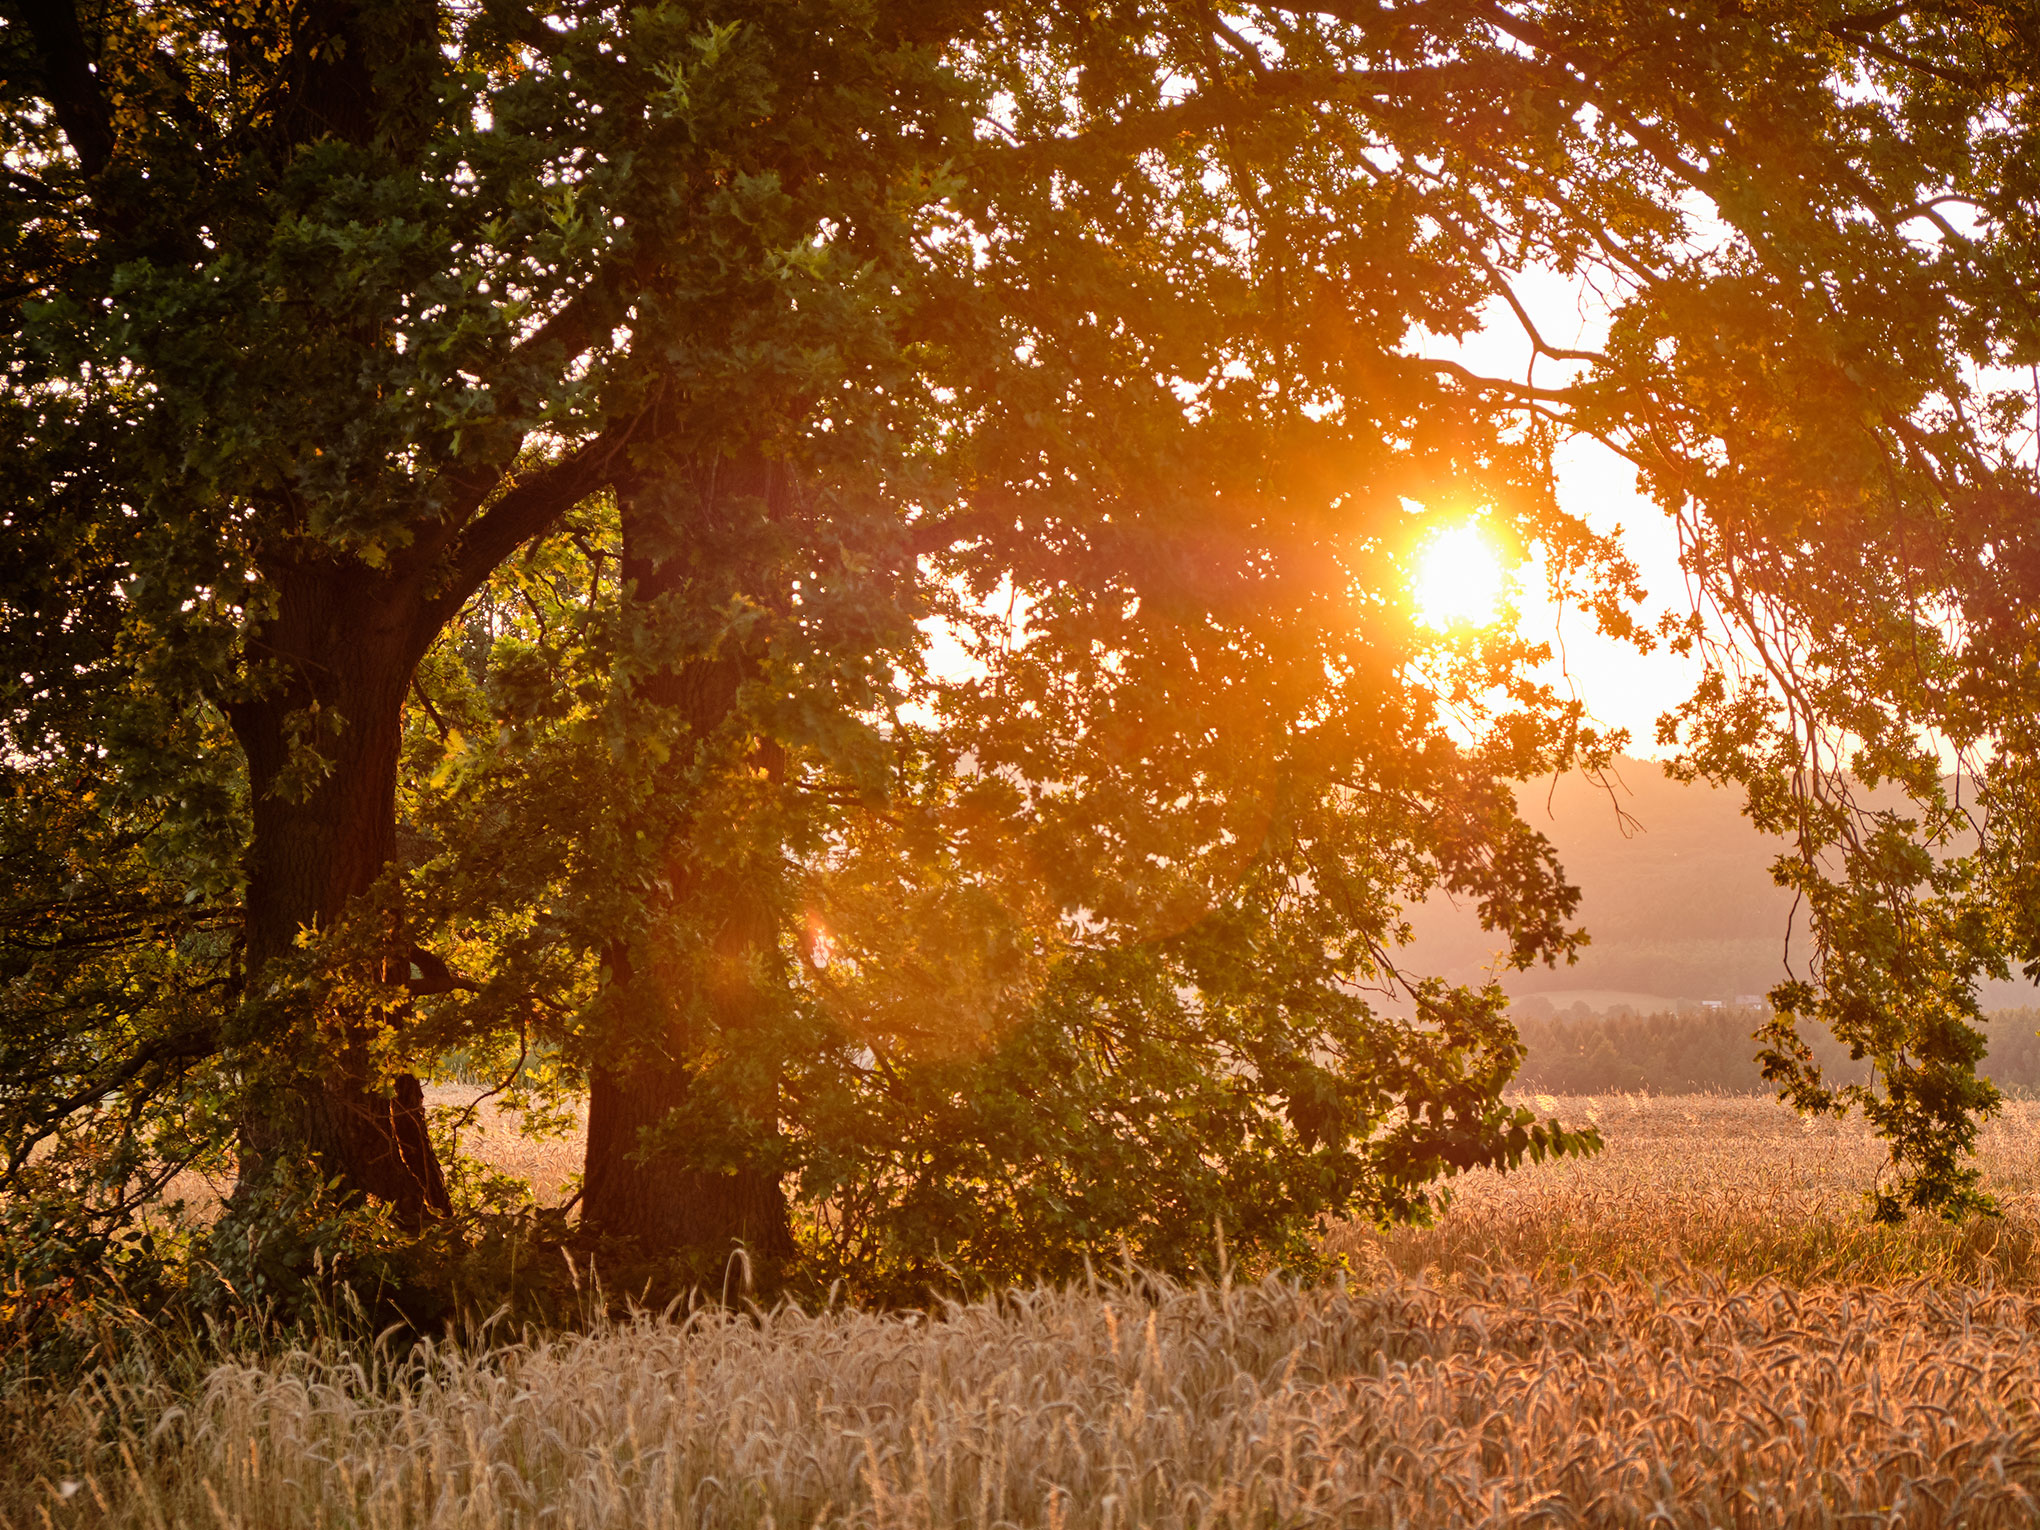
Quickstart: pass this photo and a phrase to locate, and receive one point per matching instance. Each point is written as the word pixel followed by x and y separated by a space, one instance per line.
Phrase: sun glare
pixel 1460 579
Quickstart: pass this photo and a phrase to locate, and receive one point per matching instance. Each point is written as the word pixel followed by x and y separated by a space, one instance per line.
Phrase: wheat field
pixel 1696 1329
pixel 1741 1188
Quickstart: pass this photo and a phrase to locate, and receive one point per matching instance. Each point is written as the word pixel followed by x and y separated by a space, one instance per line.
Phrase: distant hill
pixel 1711 1052
pixel 1676 894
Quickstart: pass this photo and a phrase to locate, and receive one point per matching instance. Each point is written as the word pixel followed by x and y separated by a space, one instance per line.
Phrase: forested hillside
pixel 1676 894
pixel 1712 1051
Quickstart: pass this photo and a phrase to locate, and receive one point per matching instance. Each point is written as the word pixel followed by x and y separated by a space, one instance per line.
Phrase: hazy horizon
pixel 1676 894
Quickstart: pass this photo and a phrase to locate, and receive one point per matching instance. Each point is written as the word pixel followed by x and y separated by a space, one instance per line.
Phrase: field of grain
pixel 1741 1188
pixel 470 1118
pixel 1698 1329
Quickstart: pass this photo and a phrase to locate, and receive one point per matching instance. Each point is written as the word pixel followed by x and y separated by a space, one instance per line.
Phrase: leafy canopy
pixel 343 341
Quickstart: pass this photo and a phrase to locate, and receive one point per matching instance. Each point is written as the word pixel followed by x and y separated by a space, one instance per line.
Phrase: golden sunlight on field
pixel 465 1116
pixel 1734 1186
pixel 1701 1331
pixel 549 1164
pixel 1497 1403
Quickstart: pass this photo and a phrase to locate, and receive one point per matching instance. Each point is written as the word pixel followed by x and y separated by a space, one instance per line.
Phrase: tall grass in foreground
pixel 1496 1403
pixel 1644 1363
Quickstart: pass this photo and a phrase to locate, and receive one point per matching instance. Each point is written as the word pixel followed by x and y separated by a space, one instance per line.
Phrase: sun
pixel 1460 579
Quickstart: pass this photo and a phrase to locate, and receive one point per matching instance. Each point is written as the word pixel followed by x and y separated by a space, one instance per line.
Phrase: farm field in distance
pixel 1698 1328
pixel 1738 1186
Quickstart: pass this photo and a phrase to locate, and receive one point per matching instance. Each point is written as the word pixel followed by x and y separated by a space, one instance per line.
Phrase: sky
pixel 1620 686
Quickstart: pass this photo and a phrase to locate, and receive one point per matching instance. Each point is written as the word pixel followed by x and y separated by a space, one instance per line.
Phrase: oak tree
pixel 484 480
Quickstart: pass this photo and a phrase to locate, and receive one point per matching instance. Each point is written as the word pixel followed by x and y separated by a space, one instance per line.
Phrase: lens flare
pixel 1460 579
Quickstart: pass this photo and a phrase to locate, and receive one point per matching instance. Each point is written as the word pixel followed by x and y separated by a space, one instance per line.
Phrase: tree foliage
pixel 1848 448
pixel 487 484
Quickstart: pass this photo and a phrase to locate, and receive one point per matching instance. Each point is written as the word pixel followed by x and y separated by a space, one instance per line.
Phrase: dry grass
pixel 549 1164
pixel 1613 1381
pixel 1736 1186
pixel 1739 1187
pixel 1506 1403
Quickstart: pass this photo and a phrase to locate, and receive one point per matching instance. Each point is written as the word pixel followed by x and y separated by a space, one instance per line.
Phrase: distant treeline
pixel 1711 1051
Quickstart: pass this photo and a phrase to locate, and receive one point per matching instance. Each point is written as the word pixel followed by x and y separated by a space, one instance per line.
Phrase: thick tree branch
pixel 74 93
pixel 170 1052
pixel 1527 392
pixel 526 509
pixel 1666 150
pixel 1247 52
pixel 1499 281
pixel 570 330
pixel 549 350
pixel 1887 54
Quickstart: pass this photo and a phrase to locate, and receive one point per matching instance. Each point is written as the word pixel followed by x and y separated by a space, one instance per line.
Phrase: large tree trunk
pixel 666 1205
pixel 321 838
pixel 639 1184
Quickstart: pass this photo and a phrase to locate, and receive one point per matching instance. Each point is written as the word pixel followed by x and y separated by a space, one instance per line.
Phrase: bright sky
pixel 1621 687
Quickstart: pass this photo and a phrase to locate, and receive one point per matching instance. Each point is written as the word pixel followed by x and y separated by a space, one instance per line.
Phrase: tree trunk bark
pixel 322 836
pixel 655 1193
pixel 661 1202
